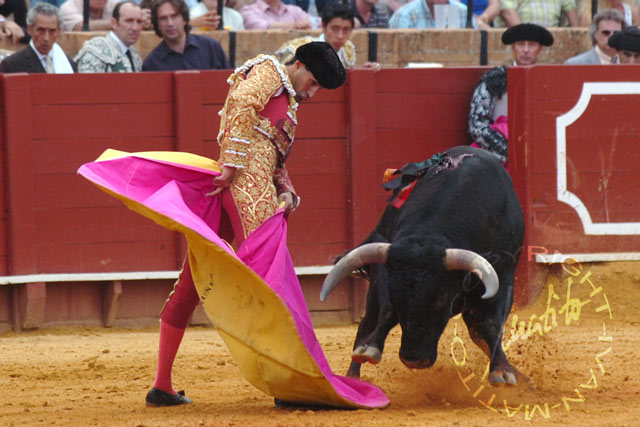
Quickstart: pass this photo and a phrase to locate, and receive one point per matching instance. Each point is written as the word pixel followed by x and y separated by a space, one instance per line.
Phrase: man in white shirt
pixel 115 51
pixel 43 55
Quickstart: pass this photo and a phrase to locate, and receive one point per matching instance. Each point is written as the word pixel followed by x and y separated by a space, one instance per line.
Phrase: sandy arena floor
pixel 580 350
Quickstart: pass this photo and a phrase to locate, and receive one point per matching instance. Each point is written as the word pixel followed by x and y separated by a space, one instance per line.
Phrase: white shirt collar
pixel 604 58
pixel 123 46
pixel 42 57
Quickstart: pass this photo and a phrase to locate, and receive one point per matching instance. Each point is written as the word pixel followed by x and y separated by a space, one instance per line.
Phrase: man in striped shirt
pixel 546 13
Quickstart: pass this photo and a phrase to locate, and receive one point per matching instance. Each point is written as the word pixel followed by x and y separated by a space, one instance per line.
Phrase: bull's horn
pixel 462 259
pixel 371 253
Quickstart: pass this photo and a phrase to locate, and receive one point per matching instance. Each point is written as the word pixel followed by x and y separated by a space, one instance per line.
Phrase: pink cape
pixel 172 193
pixel 501 125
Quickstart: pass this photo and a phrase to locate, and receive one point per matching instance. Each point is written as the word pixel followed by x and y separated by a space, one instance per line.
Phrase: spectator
pixel 302 4
pixel 15 30
pixel 488 112
pixel 239 4
pixel 56 3
pixel 274 14
pixel 100 12
pixel 420 14
pixel 337 26
pixel 547 13
pixel 369 14
pixel 391 5
pixel 114 53
pixel 205 16
pixel 628 9
pixel 605 23
pixel 627 45
pixel 43 55
pixel 484 11
pixel 179 49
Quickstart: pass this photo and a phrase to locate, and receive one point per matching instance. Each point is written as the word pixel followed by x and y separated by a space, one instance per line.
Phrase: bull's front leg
pixel 369 349
pixel 379 319
pixel 485 325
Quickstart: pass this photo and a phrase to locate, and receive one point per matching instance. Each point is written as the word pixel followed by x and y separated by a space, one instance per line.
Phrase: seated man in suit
pixel 115 52
pixel 43 55
pixel 605 23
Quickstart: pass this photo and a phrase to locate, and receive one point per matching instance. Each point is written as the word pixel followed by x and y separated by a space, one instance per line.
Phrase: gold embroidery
pixel 290 129
pixel 287 51
pixel 349 59
pixel 248 141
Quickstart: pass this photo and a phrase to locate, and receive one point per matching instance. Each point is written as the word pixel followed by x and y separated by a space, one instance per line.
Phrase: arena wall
pixel 73 255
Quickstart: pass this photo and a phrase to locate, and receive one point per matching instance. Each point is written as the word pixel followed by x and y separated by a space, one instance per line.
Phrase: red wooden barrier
pixel 58 223
pixel 573 154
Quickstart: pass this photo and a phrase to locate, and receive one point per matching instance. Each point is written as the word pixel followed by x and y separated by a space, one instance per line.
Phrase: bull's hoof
pixel 497 378
pixel 511 377
pixel 366 354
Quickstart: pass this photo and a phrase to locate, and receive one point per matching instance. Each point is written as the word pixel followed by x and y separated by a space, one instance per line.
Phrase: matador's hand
pixel 224 180
pixel 290 204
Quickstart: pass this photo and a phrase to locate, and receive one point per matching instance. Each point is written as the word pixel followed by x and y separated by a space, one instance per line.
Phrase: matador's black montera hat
pixel 323 62
pixel 527 32
pixel 627 39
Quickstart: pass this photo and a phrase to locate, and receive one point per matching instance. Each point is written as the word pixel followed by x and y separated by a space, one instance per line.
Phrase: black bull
pixel 451 248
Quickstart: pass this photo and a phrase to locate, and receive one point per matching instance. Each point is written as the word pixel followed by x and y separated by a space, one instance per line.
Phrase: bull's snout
pixel 417 364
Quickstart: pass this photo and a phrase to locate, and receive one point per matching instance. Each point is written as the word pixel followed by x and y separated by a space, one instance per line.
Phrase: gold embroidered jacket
pixel 257 130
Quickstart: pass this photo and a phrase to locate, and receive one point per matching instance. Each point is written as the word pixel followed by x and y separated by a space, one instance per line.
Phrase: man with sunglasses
pixel 605 23
pixel 627 45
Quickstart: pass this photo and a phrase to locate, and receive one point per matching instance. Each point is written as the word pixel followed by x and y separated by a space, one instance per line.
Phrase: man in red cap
pixel 488 112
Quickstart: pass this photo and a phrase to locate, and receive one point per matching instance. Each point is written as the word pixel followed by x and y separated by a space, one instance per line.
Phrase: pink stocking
pixel 170 338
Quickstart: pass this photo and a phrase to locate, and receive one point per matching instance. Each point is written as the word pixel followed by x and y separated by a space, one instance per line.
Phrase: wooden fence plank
pixel 19 172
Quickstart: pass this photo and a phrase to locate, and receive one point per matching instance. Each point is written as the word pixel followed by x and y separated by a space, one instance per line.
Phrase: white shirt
pixel 604 58
pixel 41 57
pixel 59 60
pixel 123 47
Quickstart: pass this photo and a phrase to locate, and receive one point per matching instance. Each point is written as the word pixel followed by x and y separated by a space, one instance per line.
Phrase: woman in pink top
pixel 274 14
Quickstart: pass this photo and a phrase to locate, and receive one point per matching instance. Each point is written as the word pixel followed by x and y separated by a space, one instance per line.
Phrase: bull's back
pixel 473 204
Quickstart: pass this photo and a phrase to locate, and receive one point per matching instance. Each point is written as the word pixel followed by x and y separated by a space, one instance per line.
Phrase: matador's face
pixel 303 82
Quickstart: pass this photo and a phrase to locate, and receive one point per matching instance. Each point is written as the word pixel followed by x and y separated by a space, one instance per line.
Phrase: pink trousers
pixel 184 299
